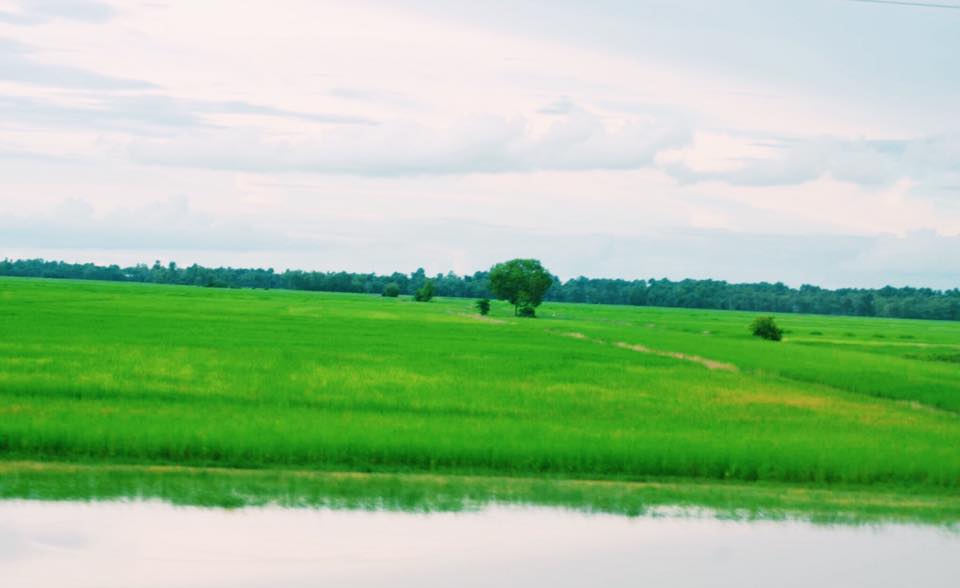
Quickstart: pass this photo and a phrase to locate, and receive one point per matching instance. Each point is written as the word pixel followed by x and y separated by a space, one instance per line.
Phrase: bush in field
pixel 391 290
pixel 483 306
pixel 527 311
pixel 522 282
pixel 765 328
pixel 424 293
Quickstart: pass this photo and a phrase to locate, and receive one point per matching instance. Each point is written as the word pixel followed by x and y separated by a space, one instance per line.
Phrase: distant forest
pixel 921 303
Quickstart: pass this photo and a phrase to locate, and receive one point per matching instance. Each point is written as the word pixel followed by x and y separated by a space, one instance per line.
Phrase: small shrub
pixel 526 311
pixel 765 328
pixel 424 293
pixel 391 290
pixel 816 333
pixel 483 306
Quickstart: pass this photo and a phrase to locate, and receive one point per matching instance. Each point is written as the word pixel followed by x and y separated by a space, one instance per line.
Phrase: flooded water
pixel 72 544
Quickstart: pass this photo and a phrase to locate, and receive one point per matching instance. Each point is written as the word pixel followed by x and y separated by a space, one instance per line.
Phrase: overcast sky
pixel 808 141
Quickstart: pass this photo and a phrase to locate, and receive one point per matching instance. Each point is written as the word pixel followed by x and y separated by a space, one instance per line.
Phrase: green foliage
pixel 152 374
pixel 391 290
pixel 906 302
pixel 424 293
pixel 235 488
pixel 483 306
pixel 522 282
pixel 766 328
pixel 526 310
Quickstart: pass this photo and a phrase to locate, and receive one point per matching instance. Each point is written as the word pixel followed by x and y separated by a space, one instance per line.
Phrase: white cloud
pixel 927 163
pixel 771 162
pixel 488 144
pixel 166 225
pixel 147 114
pixel 916 256
pixel 35 12
pixel 831 206
pixel 19 63
pixel 612 139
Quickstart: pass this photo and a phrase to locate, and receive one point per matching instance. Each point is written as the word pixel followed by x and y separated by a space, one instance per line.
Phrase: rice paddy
pixel 140 375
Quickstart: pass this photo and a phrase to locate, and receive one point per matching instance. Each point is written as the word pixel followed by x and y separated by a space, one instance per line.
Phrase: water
pixel 75 544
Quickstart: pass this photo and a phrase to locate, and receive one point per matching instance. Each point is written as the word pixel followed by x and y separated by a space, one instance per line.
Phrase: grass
pixel 102 373
pixel 235 488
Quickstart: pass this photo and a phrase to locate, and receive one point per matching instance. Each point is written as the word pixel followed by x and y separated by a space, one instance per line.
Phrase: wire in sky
pixel 905 3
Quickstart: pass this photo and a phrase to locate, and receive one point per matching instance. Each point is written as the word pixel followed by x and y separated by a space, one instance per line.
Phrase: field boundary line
pixel 711 364
pixel 708 363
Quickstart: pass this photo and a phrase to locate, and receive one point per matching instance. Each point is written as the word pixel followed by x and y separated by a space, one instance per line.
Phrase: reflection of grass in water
pixel 227 488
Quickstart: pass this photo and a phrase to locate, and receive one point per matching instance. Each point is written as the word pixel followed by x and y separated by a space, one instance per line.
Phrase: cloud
pixel 868 163
pixel 485 144
pixel 562 106
pixel 17 64
pixel 557 126
pixel 793 166
pixel 169 224
pixel 102 113
pixel 35 12
pixel 380 97
pixel 933 155
pixel 240 107
pixel 922 256
pixel 28 154
pixel 145 112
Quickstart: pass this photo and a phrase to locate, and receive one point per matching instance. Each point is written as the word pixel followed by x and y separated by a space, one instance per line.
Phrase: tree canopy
pixel 521 282
pixel 425 292
pixel 902 302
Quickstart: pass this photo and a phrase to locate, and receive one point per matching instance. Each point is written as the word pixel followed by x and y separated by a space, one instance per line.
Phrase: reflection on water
pixel 235 488
pixel 153 544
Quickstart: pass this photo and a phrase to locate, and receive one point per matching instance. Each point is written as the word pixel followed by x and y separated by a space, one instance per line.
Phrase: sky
pixel 812 141
pixel 151 544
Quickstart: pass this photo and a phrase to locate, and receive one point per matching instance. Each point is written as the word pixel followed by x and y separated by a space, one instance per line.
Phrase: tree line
pixel 906 302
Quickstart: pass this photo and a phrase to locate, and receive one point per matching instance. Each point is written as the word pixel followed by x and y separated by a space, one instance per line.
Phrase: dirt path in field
pixel 486 319
pixel 874 342
pixel 707 363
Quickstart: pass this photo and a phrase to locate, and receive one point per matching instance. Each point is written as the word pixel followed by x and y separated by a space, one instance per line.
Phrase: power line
pixel 904 3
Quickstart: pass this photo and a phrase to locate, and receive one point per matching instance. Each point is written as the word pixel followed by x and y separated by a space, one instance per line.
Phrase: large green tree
pixel 522 282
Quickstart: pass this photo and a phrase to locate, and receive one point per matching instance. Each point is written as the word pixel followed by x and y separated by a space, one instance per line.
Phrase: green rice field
pixel 147 376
